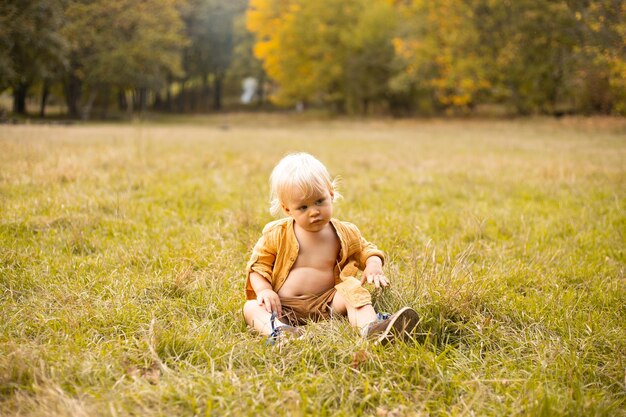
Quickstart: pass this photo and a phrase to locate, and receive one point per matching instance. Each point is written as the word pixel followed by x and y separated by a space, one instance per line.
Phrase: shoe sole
pixel 401 325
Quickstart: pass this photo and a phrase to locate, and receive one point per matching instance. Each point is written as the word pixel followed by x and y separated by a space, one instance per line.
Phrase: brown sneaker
pixel 399 325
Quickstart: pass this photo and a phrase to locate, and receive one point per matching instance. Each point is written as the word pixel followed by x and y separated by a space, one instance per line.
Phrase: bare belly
pixel 306 281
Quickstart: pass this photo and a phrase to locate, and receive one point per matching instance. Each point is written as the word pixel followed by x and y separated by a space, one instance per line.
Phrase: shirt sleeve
pixel 261 262
pixel 365 250
pixel 369 250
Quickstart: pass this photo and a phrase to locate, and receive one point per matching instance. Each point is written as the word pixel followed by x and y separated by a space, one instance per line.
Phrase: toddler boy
pixel 303 267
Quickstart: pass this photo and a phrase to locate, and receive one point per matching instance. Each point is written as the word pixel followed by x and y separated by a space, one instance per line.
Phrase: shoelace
pixel 271 339
pixel 379 317
pixel 383 316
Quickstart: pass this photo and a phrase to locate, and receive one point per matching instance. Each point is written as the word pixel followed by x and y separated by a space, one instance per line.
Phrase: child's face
pixel 310 213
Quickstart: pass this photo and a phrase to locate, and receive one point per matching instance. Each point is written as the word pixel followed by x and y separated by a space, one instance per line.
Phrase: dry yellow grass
pixel 122 250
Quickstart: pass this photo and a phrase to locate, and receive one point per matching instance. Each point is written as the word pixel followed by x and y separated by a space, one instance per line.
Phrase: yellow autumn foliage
pixel 323 50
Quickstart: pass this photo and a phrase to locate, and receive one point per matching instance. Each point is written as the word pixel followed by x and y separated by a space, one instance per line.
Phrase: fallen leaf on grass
pixel 152 373
pixel 360 356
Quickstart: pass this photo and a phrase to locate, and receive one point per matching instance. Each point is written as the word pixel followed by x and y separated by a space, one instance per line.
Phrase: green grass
pixel 122 249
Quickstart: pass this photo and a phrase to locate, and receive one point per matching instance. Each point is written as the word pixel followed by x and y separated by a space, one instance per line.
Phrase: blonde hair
pixel 301 172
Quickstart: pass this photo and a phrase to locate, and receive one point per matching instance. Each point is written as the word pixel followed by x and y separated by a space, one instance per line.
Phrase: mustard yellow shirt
pixel 276 251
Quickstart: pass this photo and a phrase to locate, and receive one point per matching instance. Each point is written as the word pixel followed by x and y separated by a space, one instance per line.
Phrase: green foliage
pixel 123 249
pixel 31 48
pixel 244 64
pixel 533 48
pixel 533 56
pixel 466 52
pixel 31 45
pixel 211 32
pixel 128 43
pixel 210 29
pixel 355 56
pixel 602 68
pixel 368 69
pixel 325 51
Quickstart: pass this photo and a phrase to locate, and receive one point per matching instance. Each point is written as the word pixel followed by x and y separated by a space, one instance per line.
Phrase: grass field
pixel 122 249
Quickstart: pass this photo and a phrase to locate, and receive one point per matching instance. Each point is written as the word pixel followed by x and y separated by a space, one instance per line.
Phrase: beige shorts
pixel 316 307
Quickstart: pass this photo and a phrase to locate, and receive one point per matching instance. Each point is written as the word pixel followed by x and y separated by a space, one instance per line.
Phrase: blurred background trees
pixel 97 58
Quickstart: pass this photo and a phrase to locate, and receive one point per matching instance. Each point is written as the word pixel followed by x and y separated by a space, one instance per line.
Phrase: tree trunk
pixel 261 90
pixel 365 103
pixel 158 101
pixel 106 96
pixel 168 97
pixel 19 98
pixel 130 108
pixel 181 97
pixel 142 98
pixel 73 89
pixel 121 100
pixel 86 110
pixel 192 99
pixel 206 93
pixel 44 99
pixel 135 97
pixel 217 92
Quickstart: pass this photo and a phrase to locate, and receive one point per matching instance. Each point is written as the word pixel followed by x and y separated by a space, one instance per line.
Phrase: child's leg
pixel 357 316
pixel 258 318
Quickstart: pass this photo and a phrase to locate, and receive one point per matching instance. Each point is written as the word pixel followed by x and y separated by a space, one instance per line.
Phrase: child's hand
pixel 271 301
pixel 373 273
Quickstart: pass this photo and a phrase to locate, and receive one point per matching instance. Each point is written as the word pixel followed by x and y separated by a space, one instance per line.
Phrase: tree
pixel 127 44
pixel 600 77
pixel 280 50
pixel 209 27
pixel 439 55
pixel 370 53
pixel 519 53
pixel 32 47
pixel 244 64
pixel 329 51
pixel 534 53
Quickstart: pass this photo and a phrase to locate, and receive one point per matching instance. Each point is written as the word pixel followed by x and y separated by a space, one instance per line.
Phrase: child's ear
pixel 285 208
pixel 332 194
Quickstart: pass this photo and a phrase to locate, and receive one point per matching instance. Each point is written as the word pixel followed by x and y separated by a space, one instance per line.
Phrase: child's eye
pixel 303 208
pixel 320 201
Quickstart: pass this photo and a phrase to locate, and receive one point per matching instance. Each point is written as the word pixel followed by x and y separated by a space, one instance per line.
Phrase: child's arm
pixel 260 266
pixel 373 272
pixel 265 294
pixel 370 259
